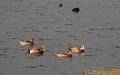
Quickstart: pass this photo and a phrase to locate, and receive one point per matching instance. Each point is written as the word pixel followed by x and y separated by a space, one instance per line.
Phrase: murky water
pixel 97 26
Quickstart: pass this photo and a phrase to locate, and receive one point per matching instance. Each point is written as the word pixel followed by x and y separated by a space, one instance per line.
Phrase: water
pixel 57 28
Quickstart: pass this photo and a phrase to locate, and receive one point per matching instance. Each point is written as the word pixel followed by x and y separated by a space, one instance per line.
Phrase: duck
pixel 27 42
pixel 36 50
pixel 60 4
pixel 76 9
pixel 64 55
pixel 77 49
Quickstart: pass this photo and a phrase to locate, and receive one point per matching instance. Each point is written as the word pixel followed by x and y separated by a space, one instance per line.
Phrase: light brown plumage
pixel 64 55
pixel 27 42
pixel 77 49
pixel 36 50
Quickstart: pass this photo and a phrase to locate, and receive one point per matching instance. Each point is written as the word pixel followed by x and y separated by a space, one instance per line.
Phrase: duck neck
pixel 32 39
pixel 28 50
pixel 69 52
pixel 43 48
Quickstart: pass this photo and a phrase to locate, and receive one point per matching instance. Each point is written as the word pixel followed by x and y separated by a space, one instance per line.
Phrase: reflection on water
pixel 58 28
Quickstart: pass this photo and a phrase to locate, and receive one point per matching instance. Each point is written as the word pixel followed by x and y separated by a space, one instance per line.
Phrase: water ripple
pixel 31 66
pixel 107 29
pixel 6 48
pixel 68 24
pixel 58 31
pixel 90 55
pixel 2 55
pixel 35 66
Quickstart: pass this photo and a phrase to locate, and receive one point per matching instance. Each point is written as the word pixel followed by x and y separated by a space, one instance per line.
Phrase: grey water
pixel 97 26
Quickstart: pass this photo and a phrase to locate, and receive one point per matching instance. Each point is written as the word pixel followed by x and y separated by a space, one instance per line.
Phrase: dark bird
pixel 76 10
pixel 60 5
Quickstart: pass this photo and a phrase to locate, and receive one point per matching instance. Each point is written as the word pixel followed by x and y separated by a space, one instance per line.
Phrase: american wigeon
pixel 38 50
pixel 27 42
pixel 77 49
pixel 64 55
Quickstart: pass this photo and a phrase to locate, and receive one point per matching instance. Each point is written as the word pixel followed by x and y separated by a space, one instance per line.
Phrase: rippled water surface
pixel 97 26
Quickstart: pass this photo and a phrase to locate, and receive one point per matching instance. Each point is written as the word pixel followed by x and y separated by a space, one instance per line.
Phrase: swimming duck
pixel 27 42
pixel 64 55
pixel 77 49
pixel 60 5
pixel 39 50
pixel 76 9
